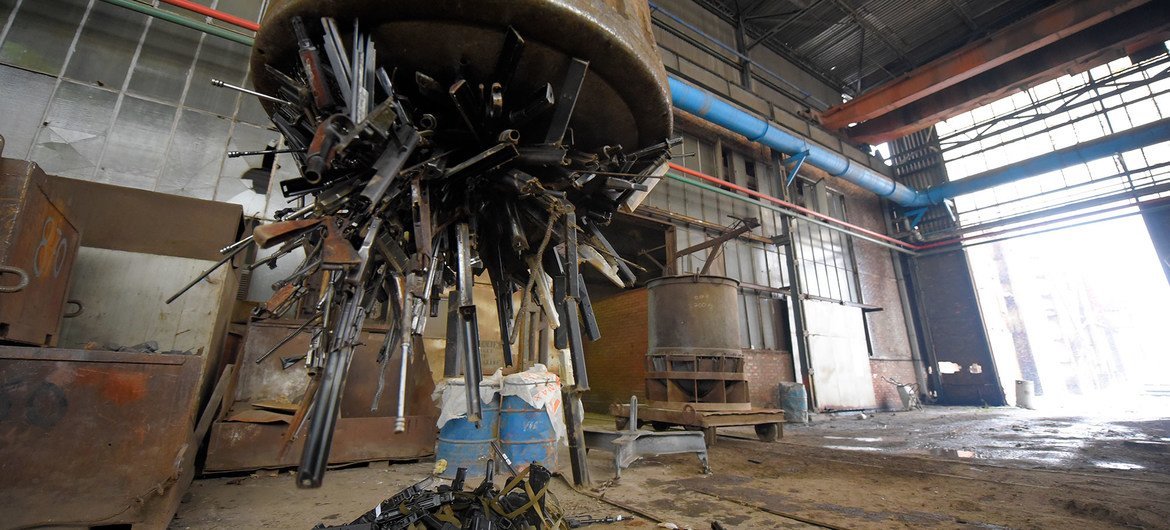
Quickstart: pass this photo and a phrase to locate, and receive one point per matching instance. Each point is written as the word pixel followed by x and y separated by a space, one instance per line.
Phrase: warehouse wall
pixel 617 361
pixel 835 268
pixel 96 92
pixel 890 352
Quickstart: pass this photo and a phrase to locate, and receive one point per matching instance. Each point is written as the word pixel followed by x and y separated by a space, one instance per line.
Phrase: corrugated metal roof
pixel 899 35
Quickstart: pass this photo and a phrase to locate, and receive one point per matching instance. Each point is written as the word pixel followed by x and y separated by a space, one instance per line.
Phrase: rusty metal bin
pixel 248 434
pixel 38 244
pixel 95 437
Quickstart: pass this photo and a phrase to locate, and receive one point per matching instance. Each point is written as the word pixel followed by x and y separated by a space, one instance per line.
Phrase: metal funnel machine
pixel 694 355
pixel 695 363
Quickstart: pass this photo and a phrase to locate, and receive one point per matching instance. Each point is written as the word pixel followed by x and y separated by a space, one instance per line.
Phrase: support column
pixel 745 65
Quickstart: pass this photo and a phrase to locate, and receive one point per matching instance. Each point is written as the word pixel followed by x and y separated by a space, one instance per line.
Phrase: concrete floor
pixel 937 467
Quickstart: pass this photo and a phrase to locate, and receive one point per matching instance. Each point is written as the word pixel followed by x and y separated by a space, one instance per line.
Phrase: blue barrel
pixel 794 401
pixel 526 434
pixel 463 444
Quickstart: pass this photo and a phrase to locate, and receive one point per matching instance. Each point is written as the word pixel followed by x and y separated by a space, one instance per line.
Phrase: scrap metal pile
pixel 413 183
pixel 523 503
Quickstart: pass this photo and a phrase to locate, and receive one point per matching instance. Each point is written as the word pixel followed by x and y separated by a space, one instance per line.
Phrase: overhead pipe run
pixel 218 15
pixel 705 105
pixel 788 208
pixel 708 107
pixel 181 20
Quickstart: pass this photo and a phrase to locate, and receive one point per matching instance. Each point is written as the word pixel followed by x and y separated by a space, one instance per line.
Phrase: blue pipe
pixel 1127 140
pixel 705 105
pixel 709 107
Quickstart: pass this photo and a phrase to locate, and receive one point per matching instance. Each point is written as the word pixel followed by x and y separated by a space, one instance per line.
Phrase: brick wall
pixel 901 370
pixel 765 371
pixel 616 361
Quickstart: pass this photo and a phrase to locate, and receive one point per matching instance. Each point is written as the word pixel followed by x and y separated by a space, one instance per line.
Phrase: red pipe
pixel 791 206
pixel 218 15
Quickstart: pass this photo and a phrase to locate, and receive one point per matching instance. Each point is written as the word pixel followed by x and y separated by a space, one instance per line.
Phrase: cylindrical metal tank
pixel 693 314
pixel 464 444
pixel 527 431
pixel 624 99
pixel 694 353
pixel 527 435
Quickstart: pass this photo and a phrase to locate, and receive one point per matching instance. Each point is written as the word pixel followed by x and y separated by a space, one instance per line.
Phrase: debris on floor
pixel 523 503
pixel 578 521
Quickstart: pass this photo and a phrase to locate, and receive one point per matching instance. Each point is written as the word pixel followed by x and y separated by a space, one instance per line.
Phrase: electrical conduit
pixel 218 15
pixel 181 20
pixel 788 208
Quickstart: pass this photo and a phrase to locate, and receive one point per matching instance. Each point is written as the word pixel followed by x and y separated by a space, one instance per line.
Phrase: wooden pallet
pixel 769 423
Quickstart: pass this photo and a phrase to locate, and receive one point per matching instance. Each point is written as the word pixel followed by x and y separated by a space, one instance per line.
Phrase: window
pixel 1072 109
pixel 749 171
pixel 728 165
pixel 827 261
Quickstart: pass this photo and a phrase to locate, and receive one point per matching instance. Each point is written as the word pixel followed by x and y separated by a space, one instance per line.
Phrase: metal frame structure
pixel 1098 90
pixel 630 444
pixel 833 31
pixel 1098 194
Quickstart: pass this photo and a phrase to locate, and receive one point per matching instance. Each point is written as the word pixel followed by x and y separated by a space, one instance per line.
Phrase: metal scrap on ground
pixel 523 503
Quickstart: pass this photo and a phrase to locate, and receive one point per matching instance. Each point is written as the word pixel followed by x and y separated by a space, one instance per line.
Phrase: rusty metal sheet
pixel 112 217
pixel 93 437
pixel 362 435
pixel 37 237
pixel 955 331
pixel 243 446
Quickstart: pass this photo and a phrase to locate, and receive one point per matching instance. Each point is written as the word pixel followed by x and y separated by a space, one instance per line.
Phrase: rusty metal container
pixel 694 356
pixel 94 437
pixel 248 434
pixel 38 244
pixel 625 99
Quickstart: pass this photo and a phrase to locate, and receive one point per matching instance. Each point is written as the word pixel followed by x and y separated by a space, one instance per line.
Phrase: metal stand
pixel 631 444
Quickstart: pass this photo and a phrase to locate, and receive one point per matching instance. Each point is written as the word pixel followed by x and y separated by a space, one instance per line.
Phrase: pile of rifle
pixel 412 184
pixel 523 503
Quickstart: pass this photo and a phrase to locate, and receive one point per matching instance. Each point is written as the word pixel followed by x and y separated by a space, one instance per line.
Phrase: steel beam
pixel 1037 31
pixel 1127 140
pixel 1109 40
